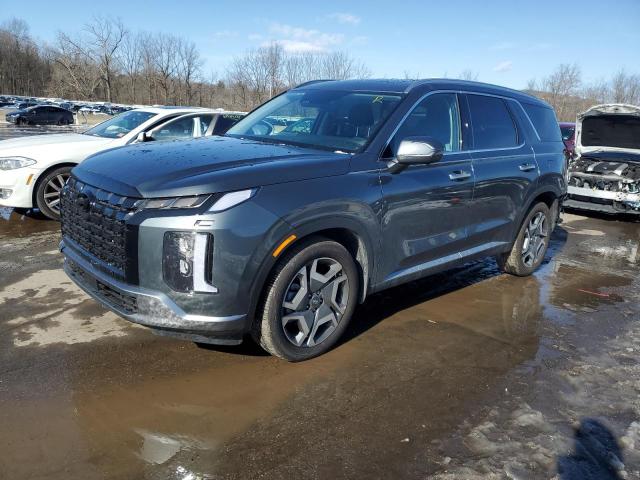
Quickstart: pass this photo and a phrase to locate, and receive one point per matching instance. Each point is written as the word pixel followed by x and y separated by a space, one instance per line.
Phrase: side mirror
pixel 416 151
pixel 419 150
pixel 144 137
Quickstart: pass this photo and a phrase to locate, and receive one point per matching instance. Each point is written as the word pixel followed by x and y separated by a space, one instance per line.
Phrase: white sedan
pixel 34 169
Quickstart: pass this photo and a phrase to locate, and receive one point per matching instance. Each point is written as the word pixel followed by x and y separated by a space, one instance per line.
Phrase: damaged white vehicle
pixel 604 175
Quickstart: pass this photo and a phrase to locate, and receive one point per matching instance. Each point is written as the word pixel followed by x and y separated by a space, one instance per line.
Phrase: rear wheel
pixel 308 301
pixel 531 244
pixel 49 190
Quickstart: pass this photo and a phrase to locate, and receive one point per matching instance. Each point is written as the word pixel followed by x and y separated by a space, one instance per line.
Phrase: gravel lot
pixel 466 375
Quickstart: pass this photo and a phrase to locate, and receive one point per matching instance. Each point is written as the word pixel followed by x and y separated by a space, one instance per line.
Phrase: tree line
pixel 569 95
pixel 107 61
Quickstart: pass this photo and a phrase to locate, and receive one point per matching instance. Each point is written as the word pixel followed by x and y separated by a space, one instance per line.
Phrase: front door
pixel 426 207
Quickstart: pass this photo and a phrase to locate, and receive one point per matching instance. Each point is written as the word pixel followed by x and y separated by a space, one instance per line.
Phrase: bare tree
pixel 625 88
pixel 189 66
pixel 105 37
pixel 132 62
pixel 165 52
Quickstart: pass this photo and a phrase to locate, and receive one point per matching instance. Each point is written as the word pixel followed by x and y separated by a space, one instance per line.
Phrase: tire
pixel 22 121
pixel 46 189
pixel 321 316
pixel 530 246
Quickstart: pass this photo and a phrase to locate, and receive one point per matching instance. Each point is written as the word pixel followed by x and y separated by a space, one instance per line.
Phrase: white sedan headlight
pixel 11 163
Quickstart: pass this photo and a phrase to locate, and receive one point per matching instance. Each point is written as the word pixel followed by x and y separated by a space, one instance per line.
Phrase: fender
pixel 368 250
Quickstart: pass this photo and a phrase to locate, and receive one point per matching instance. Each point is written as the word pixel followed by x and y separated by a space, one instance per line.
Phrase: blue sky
pixel 505 42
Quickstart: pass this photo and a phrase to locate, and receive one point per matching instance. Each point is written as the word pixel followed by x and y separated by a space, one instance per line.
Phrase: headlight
pixel 187 264
pixel 11 163
pixel 171 202
pixel 232 199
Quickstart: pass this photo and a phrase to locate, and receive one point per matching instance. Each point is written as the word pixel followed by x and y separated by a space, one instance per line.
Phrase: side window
pixel 545 123
pixel 225 122
pixel 492 124
pixel 178 129
pixel 437 116
pixel 205 121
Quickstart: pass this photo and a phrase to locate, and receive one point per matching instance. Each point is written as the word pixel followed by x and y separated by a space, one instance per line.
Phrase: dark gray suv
pixel 322 196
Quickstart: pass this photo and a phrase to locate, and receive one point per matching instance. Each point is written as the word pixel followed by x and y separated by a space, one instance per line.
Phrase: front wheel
pixel 530 245
pixel 49 190
pixel 308 301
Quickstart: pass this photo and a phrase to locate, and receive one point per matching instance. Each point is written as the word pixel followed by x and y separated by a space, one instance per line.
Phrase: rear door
pixel 505 170
pixel 426 206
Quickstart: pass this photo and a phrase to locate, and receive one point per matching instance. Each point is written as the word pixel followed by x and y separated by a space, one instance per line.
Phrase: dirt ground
pixel 469 374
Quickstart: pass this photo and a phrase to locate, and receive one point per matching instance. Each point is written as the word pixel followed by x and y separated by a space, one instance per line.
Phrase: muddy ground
pixel 466 375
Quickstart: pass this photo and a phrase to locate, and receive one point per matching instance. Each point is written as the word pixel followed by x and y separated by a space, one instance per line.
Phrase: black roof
pixel 406 86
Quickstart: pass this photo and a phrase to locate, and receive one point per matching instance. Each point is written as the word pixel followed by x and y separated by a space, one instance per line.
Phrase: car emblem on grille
pixel 83 202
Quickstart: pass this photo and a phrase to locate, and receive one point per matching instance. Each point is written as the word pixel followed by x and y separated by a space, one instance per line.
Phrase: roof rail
pixel 311 82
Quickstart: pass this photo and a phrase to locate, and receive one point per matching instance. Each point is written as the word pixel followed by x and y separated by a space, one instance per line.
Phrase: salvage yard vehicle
pixel 280 232
pixel 41 115
pixel 34 169
pixel 605 172
pixel 568 131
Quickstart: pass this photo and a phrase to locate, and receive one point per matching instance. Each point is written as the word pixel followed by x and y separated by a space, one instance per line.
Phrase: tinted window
pixel 545 123
pixel 437 117
pixel 225 122
pixel 492 124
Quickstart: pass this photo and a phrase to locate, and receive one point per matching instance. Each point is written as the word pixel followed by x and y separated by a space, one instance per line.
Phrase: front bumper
pixel 602 200
pixel 20 181
pixel 151 308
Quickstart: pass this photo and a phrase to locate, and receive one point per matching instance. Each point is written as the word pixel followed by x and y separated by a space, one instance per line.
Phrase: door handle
pixel 459 175
pixel 527 167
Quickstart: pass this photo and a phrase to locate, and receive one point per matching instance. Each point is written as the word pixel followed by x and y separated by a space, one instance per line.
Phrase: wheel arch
pixel 546 194
pixel 38 180
pixel 343 230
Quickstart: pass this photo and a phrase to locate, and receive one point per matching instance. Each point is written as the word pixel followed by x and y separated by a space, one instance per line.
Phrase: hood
pixel 16 112
pixel 611 128
pixel 204 165
pixel 38 146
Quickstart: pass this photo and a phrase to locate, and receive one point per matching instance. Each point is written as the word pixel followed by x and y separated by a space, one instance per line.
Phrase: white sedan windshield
pixel 120 125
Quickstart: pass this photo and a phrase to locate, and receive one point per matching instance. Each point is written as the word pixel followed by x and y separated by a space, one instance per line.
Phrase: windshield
pixel 120 125
pixel 567 133
pixel 332 120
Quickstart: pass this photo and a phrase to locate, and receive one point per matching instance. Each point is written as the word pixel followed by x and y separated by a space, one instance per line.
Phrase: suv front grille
pixel 95 220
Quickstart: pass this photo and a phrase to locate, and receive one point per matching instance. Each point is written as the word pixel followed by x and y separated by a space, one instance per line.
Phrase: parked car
pixel 41 115
pixel 605 173
pixel 568 131
pixel 280 233
pixel 34 169
pixel 25 105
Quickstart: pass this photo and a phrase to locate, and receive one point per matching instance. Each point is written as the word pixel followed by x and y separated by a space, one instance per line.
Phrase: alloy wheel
pixel 53 190
pixel 314 302
pixel 535 238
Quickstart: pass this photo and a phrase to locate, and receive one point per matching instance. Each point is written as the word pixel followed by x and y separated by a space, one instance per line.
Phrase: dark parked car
pixel 24 105
pixel 41 115
pixel 568 131
pixel 280 233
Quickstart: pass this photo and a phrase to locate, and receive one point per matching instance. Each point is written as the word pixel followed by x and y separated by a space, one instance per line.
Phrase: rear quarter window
pixel 544 121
